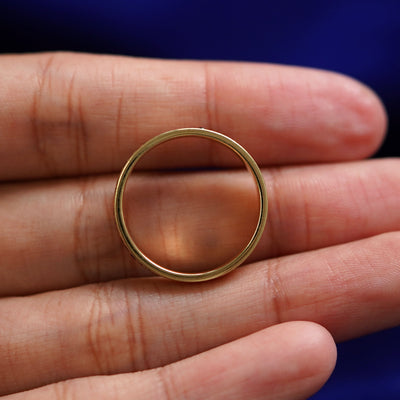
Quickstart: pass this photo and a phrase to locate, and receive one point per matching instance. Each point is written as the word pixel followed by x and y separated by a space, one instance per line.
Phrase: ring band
pixel 250 164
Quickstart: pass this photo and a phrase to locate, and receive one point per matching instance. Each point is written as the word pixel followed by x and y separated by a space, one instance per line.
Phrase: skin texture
pixel 81 319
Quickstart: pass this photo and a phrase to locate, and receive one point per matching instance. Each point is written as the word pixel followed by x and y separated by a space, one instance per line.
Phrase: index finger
pixel 72 114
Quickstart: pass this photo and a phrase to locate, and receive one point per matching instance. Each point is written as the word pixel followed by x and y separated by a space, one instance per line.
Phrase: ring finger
pixel 77 241
pixel 115 327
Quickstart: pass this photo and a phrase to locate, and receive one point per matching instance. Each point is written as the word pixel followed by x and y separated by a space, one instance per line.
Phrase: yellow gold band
pixel 251 165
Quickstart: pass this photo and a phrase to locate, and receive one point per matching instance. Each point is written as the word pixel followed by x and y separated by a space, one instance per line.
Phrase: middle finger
pixel 77 242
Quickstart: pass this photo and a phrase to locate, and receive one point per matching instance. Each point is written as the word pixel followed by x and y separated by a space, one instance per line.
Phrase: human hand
pixel 79 319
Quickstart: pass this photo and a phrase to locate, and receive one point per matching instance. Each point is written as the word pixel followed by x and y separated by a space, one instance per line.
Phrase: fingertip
pixel 306 360
pixel 362 114
pixel 317 346
pixel 287 361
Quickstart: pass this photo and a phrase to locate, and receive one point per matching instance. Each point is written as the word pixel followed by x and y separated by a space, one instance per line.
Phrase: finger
pixel 288 361
pixel 143 323
pixel 72 114
pixel 77 241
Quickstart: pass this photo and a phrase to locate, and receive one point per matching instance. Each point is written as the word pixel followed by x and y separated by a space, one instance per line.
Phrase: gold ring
pixel 251 165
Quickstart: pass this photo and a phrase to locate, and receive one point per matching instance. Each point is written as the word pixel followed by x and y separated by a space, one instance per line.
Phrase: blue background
pixel 358 38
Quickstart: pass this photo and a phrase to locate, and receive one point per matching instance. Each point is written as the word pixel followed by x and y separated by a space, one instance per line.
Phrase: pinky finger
pixel 287 361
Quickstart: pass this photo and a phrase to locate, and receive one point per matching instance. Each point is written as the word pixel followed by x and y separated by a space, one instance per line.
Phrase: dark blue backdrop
pixel 359 38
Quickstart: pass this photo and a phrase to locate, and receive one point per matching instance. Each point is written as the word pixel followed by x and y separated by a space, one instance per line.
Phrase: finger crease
pixel 166 383
pixel 39 138
pixel 273 293
pixel 80 234
pixel 136 334
pixel 82 138
pixel 93 335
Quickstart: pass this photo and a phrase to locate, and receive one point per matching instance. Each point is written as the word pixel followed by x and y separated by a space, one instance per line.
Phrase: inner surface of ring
pixel 191 214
